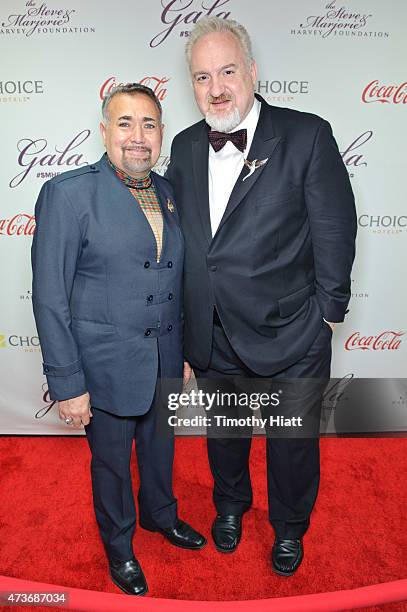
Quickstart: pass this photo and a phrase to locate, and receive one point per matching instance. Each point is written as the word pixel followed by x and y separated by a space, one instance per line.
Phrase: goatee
pixel 224 123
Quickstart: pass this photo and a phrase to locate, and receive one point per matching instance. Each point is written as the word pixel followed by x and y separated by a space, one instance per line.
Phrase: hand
pixel 76 408
pixel 187 372
pixel 331 325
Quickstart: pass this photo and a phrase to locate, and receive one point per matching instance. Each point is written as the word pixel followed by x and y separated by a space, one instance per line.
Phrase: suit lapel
pixel 200 148
pixel 263 146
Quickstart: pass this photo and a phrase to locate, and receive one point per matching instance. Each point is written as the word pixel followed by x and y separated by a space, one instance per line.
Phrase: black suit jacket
pixel 281 258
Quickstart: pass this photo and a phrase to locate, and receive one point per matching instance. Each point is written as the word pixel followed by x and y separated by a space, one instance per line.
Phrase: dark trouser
pixel 292 463
pixel 111 440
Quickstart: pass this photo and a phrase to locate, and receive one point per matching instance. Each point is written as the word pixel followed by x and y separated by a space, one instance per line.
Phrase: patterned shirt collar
pixel 129 181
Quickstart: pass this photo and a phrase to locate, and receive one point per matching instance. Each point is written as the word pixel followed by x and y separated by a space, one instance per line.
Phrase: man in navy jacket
pixel 107 264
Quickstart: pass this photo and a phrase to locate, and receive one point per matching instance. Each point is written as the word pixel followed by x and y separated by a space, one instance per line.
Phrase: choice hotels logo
pixel 337 21
pixel 39 18
pixel 282 91
pixel 29 344
pixel 20 91
pixel 383 224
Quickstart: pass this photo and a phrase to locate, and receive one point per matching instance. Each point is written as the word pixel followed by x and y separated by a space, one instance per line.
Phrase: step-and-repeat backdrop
pixel 343 60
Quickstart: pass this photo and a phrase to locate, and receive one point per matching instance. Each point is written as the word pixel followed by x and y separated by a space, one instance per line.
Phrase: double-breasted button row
pixel 150 298
pixel 147 264
pixel 148 330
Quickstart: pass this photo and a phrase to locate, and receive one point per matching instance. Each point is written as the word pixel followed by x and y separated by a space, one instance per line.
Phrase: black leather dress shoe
pixel 182 535
pixel 129 577
pixel 286 556
pixel 226 532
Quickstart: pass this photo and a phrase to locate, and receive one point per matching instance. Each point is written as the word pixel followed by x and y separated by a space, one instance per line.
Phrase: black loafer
pixel 286 556
pixel 182 535
pixel 129 577
pixel 226 532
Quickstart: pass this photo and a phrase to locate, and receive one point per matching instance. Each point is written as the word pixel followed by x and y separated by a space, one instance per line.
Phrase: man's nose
pixel 217 87
pixel 137 134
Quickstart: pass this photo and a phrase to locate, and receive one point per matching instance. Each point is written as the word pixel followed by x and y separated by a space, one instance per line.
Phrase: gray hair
pixel 209 25
pixel 130 89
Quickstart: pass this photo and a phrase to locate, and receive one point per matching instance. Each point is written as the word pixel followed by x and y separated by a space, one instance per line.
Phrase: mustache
pixel 221 98
pixel 138 148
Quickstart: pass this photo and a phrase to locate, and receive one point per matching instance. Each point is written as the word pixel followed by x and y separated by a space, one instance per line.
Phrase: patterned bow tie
pixel 219 139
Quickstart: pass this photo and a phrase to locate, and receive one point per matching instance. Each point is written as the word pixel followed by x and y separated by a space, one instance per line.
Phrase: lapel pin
pixel 253 165
pixel 170 205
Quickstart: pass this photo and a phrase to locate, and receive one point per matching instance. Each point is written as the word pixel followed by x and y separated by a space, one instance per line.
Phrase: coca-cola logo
pixel 386 94
pixel 177 14
pixel 42 19
pixel 386 340
pixel 21 224
pixel 337 20
pixel 34 154
pixel 157 84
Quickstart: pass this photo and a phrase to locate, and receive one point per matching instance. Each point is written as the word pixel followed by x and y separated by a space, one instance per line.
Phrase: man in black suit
pixel 269 222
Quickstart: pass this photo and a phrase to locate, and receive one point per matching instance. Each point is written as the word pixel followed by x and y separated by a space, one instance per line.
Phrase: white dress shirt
pixel 225 166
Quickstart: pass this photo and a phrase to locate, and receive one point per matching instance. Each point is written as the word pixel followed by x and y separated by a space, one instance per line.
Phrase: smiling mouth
pixel 138 150
pixel 219 104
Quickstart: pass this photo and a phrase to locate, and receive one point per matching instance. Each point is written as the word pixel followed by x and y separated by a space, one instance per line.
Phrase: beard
pixel 223 123
pixel 137 165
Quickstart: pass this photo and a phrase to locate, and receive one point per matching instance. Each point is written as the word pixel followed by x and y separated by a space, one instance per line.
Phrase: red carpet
pixel 357 538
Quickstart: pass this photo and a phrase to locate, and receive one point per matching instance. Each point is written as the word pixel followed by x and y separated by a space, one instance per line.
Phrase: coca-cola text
pixel 386 94
pixel 19 225
pixel 157 84
pixel 386 340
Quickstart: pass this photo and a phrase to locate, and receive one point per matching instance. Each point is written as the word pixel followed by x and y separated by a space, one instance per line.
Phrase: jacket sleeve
pixel 331 210
pixel 55 252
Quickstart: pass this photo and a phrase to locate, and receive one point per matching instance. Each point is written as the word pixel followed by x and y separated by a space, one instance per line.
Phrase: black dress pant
pixel 110 439
pixel 293 469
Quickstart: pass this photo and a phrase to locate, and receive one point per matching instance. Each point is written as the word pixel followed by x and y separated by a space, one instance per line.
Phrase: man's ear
pixel 102 129
pixel 253 72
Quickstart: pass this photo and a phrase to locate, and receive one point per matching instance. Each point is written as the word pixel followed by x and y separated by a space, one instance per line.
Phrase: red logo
pixel 386 94
pixel 388 339
pixel 19 225
pixel 157 84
